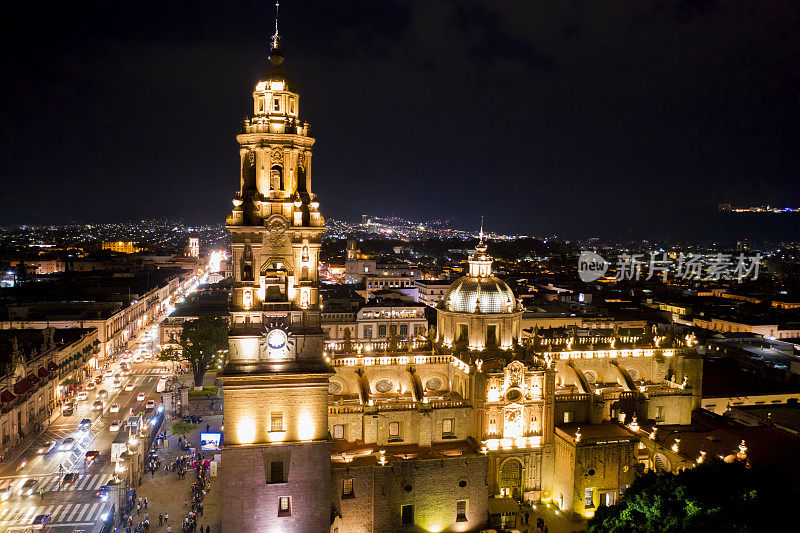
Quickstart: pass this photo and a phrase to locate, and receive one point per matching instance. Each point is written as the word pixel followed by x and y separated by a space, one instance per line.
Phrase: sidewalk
pixel 166 493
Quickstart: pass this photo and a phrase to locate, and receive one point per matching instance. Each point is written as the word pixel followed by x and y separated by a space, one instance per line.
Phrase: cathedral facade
pixel 430 433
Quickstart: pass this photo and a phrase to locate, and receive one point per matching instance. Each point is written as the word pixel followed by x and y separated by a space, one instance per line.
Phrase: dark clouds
pixel 609 118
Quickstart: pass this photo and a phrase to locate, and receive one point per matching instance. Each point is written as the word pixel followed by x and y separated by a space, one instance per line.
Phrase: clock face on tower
pixel 276 339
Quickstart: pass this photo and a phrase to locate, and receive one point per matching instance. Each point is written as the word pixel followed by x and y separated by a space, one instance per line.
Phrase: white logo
pixel 591 266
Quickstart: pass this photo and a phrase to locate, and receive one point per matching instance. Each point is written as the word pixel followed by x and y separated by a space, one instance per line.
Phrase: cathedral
pixel 444 433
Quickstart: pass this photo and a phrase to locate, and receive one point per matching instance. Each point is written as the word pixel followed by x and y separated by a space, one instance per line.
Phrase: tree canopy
pixel 201 341
pixel 714 496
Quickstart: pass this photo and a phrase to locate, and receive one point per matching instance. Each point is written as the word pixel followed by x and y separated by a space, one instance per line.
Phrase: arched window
pixel 304 254
pixel 511 476
pixel 276 178
pixel 301 179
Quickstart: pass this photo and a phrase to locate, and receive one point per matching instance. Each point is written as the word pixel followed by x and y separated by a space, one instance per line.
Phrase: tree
pixel 201 341
pixel 181 428
pixel 714 496
pixel 170 354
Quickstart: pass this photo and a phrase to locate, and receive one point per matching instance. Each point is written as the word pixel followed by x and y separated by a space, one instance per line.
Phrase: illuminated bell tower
pixel 276 458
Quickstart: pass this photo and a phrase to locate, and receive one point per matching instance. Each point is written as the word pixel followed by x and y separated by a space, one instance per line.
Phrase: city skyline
pixel 131 112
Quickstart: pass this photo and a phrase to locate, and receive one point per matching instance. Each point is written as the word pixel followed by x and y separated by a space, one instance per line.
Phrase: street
pixel 40 467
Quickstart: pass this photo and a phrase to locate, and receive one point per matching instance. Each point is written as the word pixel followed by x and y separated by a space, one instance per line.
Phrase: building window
pixel 367 332
pixel 447 427
pixel 403 330
pixel 347 487
pixel 338 431
pixel 394 430
pixel 407 515
pixel 461 511
pixel 588 497
pixel 568 417
pixel 419 330
pixel 284 506
pixel 381 331
pixel 393 329
pixel 611 498
pixel 277 104
pixel 276 472
pixel 659 413
pixel 276 421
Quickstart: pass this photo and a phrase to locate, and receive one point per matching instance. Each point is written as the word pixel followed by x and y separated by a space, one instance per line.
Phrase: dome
pixel 470 294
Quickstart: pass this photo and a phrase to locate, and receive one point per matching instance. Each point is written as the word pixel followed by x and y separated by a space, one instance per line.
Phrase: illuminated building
pixel 122 247
pixel 479 310
pixel 194 247
pixel 277 453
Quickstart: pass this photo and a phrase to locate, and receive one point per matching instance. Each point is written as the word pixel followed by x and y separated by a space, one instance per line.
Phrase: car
pixel 138 359
pixel 40 521
pixel 102 492
pixel 128 387
pixel 68 409
pixel 67 444
pixel 117 384
pixel 114 408
pixel 91 386
pixel 109 373
pixel 140 397
pixel 69 478
pixel 98 405
pixel 148 355
pixel 102 394
pixel 98 379
pixel 27 487
pixel 5 492
pixel 115 425
pixel 82 395
pixel 86 423
pixel 151 404
pixel 90 456
pixel 46 447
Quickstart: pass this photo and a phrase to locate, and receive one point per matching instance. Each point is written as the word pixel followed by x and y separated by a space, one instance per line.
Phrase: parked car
pixel 115 425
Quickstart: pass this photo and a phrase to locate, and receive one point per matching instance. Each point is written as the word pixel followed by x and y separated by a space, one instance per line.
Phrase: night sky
pixel 611 118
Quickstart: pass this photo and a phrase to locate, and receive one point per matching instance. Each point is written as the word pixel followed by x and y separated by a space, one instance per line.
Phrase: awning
pixel 22 386
pixel 51 366
pixel 43 373
pixel 7 396
pixel 33 378
pixel 503 506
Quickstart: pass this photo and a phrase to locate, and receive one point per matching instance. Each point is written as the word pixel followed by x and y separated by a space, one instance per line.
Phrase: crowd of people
pixel 135 519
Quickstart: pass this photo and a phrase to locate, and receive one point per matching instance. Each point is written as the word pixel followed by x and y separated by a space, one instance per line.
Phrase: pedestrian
pixel 169 529
pixel 160 520
pixel 145 503
pixel 208 529
pixel 166 518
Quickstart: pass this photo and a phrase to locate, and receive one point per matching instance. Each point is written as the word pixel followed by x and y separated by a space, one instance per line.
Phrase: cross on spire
pixel 276 36
pixel 481 234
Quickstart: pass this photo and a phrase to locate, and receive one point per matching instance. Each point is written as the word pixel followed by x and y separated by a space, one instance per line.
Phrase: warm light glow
pixel 305 427
pixel 276 85
pixel 246 431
